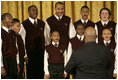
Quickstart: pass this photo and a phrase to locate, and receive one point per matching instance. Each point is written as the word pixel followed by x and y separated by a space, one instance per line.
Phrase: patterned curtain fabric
pixel 19 9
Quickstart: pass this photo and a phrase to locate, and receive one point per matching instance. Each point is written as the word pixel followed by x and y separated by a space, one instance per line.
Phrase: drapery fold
pixel 19 9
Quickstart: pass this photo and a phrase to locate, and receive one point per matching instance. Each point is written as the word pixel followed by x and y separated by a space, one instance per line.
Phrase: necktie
pixel 80 38
pixel 107 43
pixel 84 24
pixel 9 30
pixel 35 24
pixel 105 25
pixel 56 45
pixel 59 19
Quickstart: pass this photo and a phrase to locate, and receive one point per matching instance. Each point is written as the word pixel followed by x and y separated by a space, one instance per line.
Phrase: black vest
pixel 111 25
pixel 9 49
pixel 61 26
pixel 34 35
pixel 89 23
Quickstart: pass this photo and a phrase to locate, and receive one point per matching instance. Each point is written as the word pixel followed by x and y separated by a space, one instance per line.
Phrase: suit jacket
pixel 91 61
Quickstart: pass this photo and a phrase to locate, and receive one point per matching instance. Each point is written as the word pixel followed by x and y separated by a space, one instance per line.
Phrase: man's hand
pixel 24 67
pixel 65 75
pixel 18 68
pixel 115 75
pixel 3 71
pixel 47 76
pixel 26 59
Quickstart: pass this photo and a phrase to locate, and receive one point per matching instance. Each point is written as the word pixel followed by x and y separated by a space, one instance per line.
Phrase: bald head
pixel 90 34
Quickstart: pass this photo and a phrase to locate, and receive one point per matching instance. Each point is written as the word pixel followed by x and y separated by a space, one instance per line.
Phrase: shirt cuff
pixel 18 61
pixel 47 73
pixel 2 65
pixel 115 71
pixel 17 58
pixel 65 72
pixel 25 56
pixel 24 62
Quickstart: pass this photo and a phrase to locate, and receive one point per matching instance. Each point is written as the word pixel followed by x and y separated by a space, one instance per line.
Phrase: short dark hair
pixel 53 32
pixel 16 20
pixel 105 9
pixel 84 7
pixel 29 8
pixel 106 29
pixel 59 3
pixel 79 25
pixel 4 16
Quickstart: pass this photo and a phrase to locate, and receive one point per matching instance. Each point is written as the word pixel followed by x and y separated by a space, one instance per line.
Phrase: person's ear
pixel 102 35
pixel 111 35
pixel 51 37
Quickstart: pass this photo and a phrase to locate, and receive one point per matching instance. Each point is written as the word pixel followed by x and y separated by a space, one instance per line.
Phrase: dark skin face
pixel 8 21
pixel 33 13
pixel 80 30
pixel 16 27
pixel 59 9
pixel 85 13
pixel 55 37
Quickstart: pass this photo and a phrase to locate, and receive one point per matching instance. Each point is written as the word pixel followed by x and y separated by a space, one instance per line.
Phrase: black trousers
pixel 21 65
pixel 11 69
pixel 56 71
pixel 109 74
pixel 35 66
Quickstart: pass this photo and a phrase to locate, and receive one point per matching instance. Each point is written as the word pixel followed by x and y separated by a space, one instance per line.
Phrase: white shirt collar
pixel 5 28
pixel 58 17
pixel 107 42
pixel 32 20
pixel 104 23
pixel 55 43
pixel 84 21
pixel 82 37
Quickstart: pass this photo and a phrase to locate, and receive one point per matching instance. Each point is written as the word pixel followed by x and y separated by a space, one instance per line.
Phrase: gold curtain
pixel 19 9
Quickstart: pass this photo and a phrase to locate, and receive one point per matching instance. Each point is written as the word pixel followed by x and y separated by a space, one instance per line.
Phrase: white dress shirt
pixel 70 47
pixel 46 56
pixel 72 31
pixel 17 56
pixel 115 65
pixel 105 42
pixel 32 20
pixel 115 53
pixel 84 21
pixel 58 17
